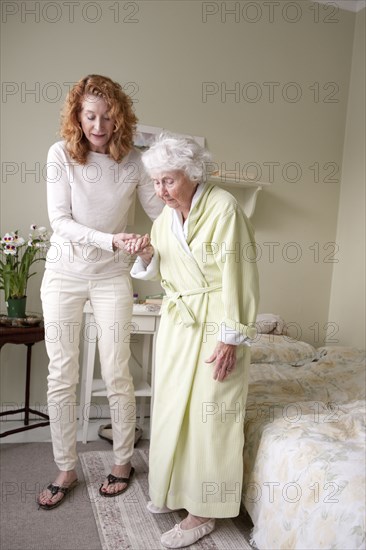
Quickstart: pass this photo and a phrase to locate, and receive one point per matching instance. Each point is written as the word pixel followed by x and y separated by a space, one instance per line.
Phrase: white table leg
pixel 88 368
pixel 145 368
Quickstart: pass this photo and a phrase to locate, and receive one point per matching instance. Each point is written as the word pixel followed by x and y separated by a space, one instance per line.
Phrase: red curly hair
pixel 120 109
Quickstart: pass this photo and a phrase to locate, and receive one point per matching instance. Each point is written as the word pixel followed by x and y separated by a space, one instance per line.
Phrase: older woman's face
pixel 96 123
pixel 175 189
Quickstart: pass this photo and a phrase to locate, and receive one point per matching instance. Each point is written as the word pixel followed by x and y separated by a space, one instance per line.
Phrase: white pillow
pixel 270 348
pixel 267 323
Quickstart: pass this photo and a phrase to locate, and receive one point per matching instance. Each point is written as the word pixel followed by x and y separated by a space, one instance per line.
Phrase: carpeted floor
pixel 26 468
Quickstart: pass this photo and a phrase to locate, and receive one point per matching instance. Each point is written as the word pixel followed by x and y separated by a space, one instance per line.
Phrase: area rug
pixel 124 523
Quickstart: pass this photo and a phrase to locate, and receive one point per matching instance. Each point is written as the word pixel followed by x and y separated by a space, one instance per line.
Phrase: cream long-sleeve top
pixel 87 205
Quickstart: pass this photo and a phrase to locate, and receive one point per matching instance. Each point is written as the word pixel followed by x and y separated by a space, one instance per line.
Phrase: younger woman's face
pixel 96 123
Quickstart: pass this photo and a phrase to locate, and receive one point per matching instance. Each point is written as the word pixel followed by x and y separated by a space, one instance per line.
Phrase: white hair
pixel 174 152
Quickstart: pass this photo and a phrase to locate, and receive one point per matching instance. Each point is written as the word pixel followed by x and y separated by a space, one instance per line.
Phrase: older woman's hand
pixel 138 245
pixel 224 356
pixel 131 243
pixel 146 254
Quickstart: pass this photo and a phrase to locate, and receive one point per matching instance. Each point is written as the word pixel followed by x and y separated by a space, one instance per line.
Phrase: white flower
pixel 18 241
pixel 10 249
pixel 7 238
pixel 19 255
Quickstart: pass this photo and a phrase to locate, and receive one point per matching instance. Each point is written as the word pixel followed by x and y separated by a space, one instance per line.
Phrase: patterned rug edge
pixel 123 522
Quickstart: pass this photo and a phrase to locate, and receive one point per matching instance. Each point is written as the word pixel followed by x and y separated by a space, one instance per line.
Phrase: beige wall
pixel 180 60
pixel 347 303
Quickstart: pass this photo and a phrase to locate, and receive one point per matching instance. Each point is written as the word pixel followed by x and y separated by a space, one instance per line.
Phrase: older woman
pixel 202 245
pixel 93 175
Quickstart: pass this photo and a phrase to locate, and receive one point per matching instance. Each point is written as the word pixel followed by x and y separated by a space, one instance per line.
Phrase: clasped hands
pixel 134 244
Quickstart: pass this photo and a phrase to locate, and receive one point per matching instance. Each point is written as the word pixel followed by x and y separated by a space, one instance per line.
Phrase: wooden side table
pixel 27 336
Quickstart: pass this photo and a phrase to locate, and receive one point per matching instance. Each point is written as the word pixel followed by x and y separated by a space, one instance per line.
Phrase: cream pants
pixel 63 299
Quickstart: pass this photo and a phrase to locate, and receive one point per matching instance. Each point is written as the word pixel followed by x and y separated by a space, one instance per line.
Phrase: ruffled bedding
pixel 304 453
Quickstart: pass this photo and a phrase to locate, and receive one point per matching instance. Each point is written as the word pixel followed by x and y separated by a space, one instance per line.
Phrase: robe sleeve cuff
pixel 143 271
pixel 232 337
pixel 244 332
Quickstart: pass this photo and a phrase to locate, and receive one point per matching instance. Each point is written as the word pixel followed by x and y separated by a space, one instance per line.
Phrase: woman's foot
pixel 64 480
pixel 191 521
pixel 189 531
pixel 117 487
pixel 156 510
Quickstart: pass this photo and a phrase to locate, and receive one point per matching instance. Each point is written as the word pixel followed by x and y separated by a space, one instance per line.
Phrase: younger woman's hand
pixel 120 239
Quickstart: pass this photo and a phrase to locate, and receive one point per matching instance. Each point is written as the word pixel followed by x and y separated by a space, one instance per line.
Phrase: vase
pixel 16 307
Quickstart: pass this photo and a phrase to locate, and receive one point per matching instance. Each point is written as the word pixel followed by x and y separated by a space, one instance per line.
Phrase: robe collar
pixel 177 219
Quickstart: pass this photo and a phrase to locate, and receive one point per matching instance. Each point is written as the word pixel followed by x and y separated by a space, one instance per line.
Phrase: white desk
pixel 143 322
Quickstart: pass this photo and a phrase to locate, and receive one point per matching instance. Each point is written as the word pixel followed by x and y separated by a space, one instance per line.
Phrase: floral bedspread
pixel 304 453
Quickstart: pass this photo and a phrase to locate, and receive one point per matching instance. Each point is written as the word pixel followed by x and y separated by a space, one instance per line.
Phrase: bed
pixel 304 453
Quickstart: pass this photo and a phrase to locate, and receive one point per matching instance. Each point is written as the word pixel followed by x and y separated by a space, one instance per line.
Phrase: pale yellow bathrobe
pixel 197 429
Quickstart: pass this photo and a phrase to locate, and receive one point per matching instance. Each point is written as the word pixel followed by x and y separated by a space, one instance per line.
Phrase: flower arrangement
pixel 18 255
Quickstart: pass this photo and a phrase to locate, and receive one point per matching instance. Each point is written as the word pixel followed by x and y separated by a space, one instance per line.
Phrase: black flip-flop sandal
pixel 113 479
pixel 54 489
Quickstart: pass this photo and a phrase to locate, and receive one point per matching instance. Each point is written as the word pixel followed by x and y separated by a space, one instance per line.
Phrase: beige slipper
pixel 179 538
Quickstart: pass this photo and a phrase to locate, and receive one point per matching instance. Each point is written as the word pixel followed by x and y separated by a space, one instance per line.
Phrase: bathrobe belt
pixel 174 300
